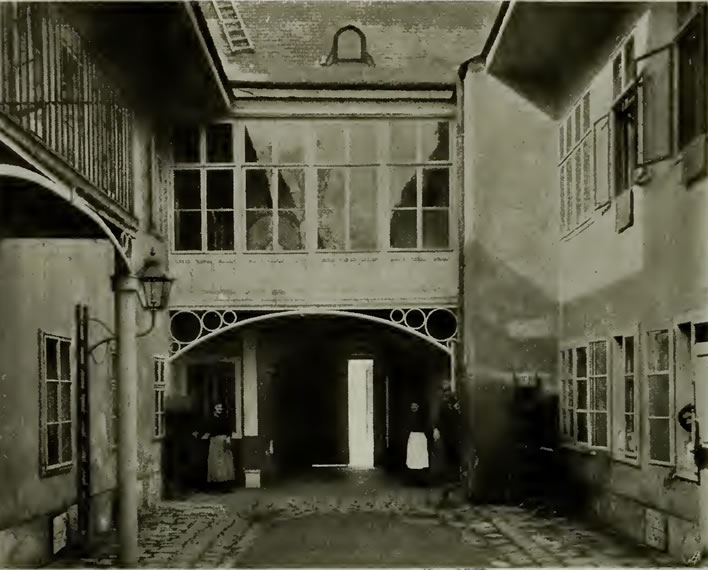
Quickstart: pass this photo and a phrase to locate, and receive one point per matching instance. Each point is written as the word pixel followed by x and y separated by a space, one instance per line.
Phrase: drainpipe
pixel 126 289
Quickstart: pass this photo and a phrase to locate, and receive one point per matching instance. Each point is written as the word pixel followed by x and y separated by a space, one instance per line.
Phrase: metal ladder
pixel 232 25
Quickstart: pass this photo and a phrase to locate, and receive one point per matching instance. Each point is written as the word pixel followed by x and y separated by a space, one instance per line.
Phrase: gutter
pixel 481 58
pixel 209 49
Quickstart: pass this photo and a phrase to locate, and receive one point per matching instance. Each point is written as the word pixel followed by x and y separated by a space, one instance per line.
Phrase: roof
pixel 410 42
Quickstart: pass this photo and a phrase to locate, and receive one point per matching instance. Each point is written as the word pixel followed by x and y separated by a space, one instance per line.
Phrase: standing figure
pixel 417 459
pixel 220 462
pixel 448 433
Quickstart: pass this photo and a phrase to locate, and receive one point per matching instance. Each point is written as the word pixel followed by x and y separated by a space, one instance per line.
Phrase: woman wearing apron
pixel 220 462
pixel 417 460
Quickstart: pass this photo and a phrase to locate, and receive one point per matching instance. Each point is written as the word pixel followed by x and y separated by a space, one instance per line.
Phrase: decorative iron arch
pixel 214 322
pixel 64 192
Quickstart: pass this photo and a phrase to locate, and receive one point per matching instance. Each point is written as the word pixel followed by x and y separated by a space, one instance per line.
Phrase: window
pixel 629 394
pixel 55 412
pixel 275 209
pixel 661 397
pixel 567 406
pixel 113 379
pixel 598 394
pixel 328 176
pixel 159 388
pixel 576 167
pixel 692 83
pixel 203 194
pixel 581 387
pixel 625 143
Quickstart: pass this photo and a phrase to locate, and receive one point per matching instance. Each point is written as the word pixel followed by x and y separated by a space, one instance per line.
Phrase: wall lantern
pixel 156 286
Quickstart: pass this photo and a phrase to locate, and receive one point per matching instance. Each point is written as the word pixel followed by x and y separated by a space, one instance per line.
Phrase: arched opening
pixel 295 416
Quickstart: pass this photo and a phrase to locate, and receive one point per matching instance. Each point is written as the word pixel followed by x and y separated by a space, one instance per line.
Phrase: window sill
pixel 62 469
pixel 628 461
pixel 584 450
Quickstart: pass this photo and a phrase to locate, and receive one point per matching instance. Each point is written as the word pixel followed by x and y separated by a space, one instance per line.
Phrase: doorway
pixel 361 413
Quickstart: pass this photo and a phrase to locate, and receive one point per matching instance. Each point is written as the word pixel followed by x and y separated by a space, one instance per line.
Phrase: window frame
pixel 159 393
pixel 593 378
pixel 648 373
pixel 619 383
pixel 697 16
pixel 50 469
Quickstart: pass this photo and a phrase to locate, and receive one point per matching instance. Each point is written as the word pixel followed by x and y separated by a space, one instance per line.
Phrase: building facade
pixel 629 113
pixel 77 212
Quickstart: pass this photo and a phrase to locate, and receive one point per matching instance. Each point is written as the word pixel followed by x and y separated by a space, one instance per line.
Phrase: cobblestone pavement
pixel 313 525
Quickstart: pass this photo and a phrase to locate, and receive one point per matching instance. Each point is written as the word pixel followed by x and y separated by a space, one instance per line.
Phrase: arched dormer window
pixel 349 46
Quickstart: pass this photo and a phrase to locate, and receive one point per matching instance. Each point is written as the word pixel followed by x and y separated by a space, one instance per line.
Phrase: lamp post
pixel 152 287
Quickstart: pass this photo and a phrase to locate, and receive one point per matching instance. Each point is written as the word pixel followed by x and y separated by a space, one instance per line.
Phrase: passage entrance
pixel 361 413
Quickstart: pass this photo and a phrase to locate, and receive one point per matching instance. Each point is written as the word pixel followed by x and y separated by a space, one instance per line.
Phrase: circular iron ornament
pixel 397 315
pixel 229 317
pixel 174 347
pixel 211 321
pixel 415 319
pixel 185 326
pixel 441 325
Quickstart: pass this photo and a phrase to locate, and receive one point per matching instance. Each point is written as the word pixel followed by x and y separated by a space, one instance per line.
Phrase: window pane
pixel 291 143
pixel 187 190
pixel 617 76
pixel 330 230
pixel 220 230
pixel 659 439
pixel 188 230
pixel 65 442
pixel 258 192
pixel 291 188
pixel 403 141
pixel 403 188
pixel 582 427
pixel 658 357
pixel 330 145
pixel 53 444
pixel 220 189
pixel 436 140
pixel 52 401
pixel 259 230
pixel 291 229
pixel 219 143
pixel 630 438
pixel 364 143
pixel 156 402
pixel 629 355
pixel 185 144
pixel 569 134
pixel 586 112
pixel 404 229
pixel 570 362
pixel 65 358
pixel 588 183
pixel 569 193
pixel 581 366
pixel 436 229
pixel 578 190
pixel 629 394
pixel 599 358
pixel 582 387
pixel 600 394
pixel 659 395
pixel 258 142
pixel 363 210
pixel 436 187
pixel 561 142
pixel 691 82
pixel 599 429
pixel 50 345
pixel 578 123
pixel 330 188
pixel 65 408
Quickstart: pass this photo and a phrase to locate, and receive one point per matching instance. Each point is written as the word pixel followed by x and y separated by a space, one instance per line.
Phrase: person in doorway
pixel 220 461
pixel 417 459
pixel 448 434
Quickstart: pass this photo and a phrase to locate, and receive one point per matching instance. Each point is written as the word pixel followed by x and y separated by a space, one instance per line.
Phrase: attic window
pixel 349 46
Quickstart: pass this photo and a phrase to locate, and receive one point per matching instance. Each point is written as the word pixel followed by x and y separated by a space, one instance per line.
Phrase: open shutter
pixel 602 161
pixel 655 90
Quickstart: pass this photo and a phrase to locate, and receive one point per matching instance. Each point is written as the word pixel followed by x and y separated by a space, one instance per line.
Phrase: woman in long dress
pixel 417 457
pixel 220 462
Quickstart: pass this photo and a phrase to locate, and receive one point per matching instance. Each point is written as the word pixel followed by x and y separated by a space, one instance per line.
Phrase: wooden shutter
pixel 602 161
pixel 655 113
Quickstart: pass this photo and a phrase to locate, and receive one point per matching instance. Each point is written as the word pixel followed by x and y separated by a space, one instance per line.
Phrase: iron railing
pixel 53 87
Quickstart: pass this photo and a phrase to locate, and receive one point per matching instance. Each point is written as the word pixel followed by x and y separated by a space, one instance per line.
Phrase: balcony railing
pixel 52 86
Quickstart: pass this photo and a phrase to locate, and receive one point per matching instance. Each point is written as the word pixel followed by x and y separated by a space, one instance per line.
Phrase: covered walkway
pixel 359 519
